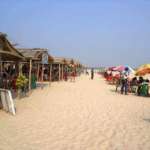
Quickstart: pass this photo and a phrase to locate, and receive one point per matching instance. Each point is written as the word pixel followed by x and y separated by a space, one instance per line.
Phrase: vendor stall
pixel 10 59
pixel 35 68
pixel 58 66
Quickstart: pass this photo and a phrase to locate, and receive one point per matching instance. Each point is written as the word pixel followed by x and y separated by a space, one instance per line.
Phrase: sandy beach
pixel 85 115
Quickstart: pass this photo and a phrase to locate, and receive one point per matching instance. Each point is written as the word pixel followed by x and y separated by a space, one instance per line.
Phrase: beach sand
pixel 85 115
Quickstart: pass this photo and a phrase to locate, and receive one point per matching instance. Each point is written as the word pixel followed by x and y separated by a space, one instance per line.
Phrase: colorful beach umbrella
pixel 111 68
pixel 122 68
pixel 131 70
pixel 119 68
pixel 143 70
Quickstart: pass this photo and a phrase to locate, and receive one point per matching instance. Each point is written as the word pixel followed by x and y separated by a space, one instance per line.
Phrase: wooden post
pixel 38 71
pixel 42 74
pixel 59 73
pixel 1 66
pixel 20 68
pixel 50 73
pixel 62 72
pixel 17 67
pixel 0 63
pixel 30 74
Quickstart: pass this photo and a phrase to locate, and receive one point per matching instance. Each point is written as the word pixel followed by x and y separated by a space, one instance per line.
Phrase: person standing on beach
pixel 124 85
pixel 125 81
pixel 92 74
pixel 66 75
pixel 73 74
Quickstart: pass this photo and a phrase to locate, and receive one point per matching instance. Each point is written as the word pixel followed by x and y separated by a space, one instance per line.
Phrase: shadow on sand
pixel 42 85
pixel 147 120
pixel 133 94
pixel 113 90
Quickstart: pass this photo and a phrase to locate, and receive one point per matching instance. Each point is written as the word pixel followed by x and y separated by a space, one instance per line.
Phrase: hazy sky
pixel 98 32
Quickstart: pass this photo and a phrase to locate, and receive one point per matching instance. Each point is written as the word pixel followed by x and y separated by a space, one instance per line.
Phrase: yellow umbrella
pixel 143 70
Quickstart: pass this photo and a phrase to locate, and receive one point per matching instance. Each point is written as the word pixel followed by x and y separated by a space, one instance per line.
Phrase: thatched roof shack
pixel 35 54
pixel 59 60
pixel 50 59
pixel 7 51
pixel 69 61
pixel 78 64
pixel 65 61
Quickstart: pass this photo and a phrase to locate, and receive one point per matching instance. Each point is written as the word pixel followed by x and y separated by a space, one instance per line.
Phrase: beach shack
pixel 78 67
pixel 61 68
pixel 36 65
pixel 57 72
pixel 10 59
pixel 68 65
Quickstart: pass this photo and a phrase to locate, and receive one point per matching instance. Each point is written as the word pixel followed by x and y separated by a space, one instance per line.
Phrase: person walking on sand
pixel 92 74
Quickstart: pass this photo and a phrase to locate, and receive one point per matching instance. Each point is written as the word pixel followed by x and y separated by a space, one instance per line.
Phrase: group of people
pixel 111 77
pixel 139 86
pixel 123 80
pixel 71 74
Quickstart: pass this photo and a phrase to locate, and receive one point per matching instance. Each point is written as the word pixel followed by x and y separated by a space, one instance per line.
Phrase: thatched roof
pixel 7 51
pixel 62 60
pixel 58 60
pixel 77 62
pixel 68 60
pixel 50 59
pixel 34 54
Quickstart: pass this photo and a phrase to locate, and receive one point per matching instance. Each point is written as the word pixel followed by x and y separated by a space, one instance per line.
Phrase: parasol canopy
pixel 130 69
pixel 143 70
pixel 111 68
pixel 123 68
pixel 119 68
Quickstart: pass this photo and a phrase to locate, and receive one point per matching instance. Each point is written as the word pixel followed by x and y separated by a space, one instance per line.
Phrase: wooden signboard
pixel 7 101
pixel 45 58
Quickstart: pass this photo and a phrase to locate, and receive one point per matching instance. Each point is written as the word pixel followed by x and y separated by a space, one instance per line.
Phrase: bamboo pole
pixel 50 73
pixel 30 74
pixel 38 71
pixel 1 64
pixel 62 71
pixel 42 75
pixel 20 68
pixel 16 67
pixel 59 73
pixel 1 67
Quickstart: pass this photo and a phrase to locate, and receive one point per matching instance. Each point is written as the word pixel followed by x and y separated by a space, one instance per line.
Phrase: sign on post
pixel 7 101
pixel 45 58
